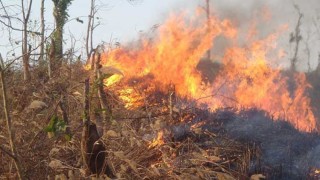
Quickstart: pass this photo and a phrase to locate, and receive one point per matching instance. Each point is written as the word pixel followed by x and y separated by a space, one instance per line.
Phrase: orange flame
pixel 246 78
pixel 158 141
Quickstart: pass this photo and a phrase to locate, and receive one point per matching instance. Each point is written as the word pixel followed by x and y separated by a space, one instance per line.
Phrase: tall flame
pixel 246 79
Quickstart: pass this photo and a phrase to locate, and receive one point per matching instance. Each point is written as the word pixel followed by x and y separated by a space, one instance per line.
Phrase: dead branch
pixel 85 129
pixel 9 122
pixel 107 112
pixel 16 29
pixel 89 29
pixel 9 24
pixel 19 57
pixel 308 52
pixel 296 38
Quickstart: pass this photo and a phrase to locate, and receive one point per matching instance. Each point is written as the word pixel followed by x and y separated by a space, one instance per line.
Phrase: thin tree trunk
pixel 41 58
pixel 25 58
pixel 91 31
pixel 85 129
pixel 25 51
pixel 89 28
pixel 51 57
pixel 9 122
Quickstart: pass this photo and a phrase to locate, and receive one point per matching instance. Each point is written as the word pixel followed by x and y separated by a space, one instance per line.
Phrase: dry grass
pixel 131 143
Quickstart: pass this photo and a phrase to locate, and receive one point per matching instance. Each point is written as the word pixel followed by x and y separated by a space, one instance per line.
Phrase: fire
pixel 130 97
pixel 112 80
pixel 247 79
pixel 253 83
pixel 157 141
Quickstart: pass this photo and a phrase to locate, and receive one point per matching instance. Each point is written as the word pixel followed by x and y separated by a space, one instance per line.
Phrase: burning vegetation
pixel 245 79
pixel 158 108
pixel 161 77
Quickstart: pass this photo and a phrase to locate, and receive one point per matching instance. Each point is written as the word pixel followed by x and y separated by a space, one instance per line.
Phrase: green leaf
pixel 61 126
pixel 68 137
pixel 52 124
pixel 56 125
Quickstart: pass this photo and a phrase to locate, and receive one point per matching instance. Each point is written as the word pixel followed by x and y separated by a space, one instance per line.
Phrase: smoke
pixel 283 152
pixel 282 146
pixel 267 17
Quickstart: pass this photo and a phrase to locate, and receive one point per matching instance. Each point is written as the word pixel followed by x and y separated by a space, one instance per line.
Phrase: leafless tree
pixel 307 50
pixel 26 49
pixel 91 26
pixel 296 37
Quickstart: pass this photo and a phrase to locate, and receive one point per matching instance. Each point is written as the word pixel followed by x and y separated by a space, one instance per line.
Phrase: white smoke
pixel 244 13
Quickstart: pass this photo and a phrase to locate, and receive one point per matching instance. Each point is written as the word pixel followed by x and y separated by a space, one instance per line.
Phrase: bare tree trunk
pixel 51 57
pixel 89 29
pixel 25 51
pixel 85 129
pixel 9 122
pixel 41 58
pixel 91 32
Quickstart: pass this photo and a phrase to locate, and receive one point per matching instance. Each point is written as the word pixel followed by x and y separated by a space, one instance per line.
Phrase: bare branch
pixel 9 122
pixel 296 38
pixel 16 29
pixel 32 50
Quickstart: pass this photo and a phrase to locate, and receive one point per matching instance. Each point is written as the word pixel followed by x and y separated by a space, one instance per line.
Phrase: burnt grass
pixel 283 151
pixel 197 143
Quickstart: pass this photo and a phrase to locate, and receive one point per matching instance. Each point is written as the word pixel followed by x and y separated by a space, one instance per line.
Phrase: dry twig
pixel 9 122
